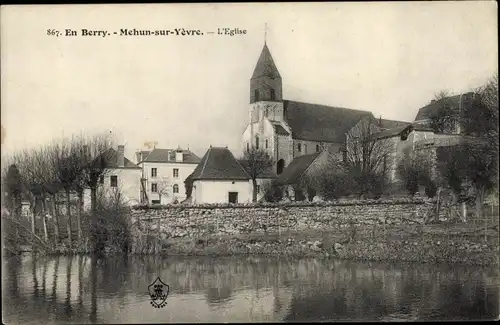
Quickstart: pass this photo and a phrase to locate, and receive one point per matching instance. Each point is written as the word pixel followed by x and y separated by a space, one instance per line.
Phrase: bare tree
pixel 95 163
pixel 256 162
pixel 164 187
pixel 66 158
pixel 366 157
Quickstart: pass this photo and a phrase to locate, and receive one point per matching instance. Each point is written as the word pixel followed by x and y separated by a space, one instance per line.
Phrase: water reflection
pixel 86 289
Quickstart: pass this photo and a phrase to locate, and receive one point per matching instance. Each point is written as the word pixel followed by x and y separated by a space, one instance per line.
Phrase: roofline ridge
pixel 205 163
pixel 351 109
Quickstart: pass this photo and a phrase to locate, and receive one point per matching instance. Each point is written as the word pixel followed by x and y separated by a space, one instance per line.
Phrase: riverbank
pixel 400 246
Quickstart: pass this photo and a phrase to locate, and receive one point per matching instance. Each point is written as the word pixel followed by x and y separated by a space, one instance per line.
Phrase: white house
pixel 220 178
pixel 163 174
pixel 122 177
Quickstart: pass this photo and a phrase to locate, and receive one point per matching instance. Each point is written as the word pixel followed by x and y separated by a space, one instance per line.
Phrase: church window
pixel 248 146
pixel 273 95
pixel 267 144
pixel 257 142
pixel 256 95
pixel 299 147
pixel 305 148
pixel 317 148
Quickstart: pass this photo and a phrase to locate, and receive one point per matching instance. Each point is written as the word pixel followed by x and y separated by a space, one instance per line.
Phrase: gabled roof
pixel 389 133
pixel 219 164
pixel 142 153
pixel 296 169
pixel 110 158
pixel 319 122
pixel 265 65
pixel 390 124
pixel 280 130
pixel 425 112
pixel 168 156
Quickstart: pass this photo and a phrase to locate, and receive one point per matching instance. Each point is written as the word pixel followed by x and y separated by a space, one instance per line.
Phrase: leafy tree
pixel 272 192
pixel 14 189
pixel 444 116
pixel 415 170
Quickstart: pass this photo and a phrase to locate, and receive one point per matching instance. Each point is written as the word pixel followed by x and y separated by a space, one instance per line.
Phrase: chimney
pixel 120 156
pixel 179 155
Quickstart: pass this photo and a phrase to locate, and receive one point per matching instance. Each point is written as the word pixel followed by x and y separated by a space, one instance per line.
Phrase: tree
pixel 272 192
pixel 444 116
pixel 256 162
pixel 14 189
pixel 415 170
pixel 164 187
pixel 188 185
pixel 365 158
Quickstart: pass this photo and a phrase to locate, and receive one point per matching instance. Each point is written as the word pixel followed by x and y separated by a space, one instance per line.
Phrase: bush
pixel 272 192
pixel 334 186
pixel 431 190
pixel 109 227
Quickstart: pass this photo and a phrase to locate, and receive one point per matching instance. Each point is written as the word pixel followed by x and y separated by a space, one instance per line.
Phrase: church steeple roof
pixel 265 66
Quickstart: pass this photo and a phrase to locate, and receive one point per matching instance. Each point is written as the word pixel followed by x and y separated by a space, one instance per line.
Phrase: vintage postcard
pixel 249 162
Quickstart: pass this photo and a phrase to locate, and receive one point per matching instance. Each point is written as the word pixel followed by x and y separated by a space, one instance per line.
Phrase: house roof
pixel 142 153
pixel 265 65
pixel 319 122
pixel 110 157
pixel 390 124
pixel 280 130
pixel 219 164
pixel 168 155
pixel 425 112
pixel 296 168
pixel 389 133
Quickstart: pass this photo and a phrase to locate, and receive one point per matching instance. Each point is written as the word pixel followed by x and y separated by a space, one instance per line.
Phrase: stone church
pixel 290 129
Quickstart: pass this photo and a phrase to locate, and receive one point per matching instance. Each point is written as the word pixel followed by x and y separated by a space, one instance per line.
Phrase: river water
pixel 81 289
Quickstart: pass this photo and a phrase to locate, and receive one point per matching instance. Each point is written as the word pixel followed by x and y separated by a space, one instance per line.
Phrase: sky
pixel 193 91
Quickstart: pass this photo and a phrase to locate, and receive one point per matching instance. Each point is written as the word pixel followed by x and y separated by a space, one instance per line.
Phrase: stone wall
pixel 219 220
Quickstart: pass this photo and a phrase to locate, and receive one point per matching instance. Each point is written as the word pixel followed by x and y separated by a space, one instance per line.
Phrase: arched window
pixel 273 95
pixel 256 95
pixel 248 146
pixel 317 148
pixel 257 142
pixel 305 148
pixel 267 144
pixel 176 188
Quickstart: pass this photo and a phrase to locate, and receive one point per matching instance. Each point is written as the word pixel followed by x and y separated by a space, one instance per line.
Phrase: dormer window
pixel 273 95
pixel 256 95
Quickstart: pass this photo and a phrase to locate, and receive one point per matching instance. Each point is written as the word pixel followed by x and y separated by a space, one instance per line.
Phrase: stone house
pixel 121 176
pixel 164 172
pixel 220 178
